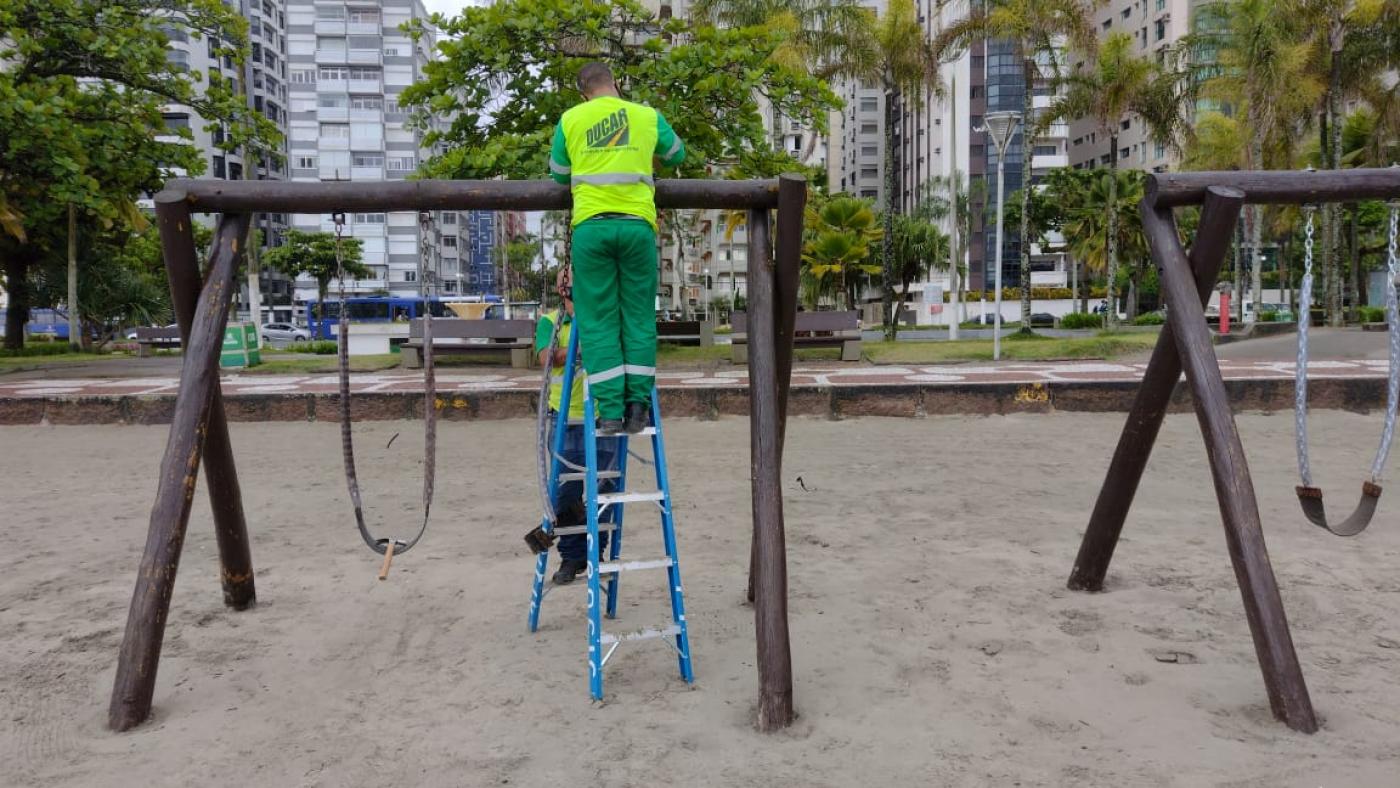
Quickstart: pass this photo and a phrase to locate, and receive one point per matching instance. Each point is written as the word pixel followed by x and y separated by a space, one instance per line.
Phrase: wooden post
pixel 792 200
pixel 770 581
pixel 150 602
pixel 1244 536
pixel 220 475
pixel 1218 219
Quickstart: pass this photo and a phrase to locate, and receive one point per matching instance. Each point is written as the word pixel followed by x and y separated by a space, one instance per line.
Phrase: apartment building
pixel 263 77
pixel 1155 25
pixel 347 63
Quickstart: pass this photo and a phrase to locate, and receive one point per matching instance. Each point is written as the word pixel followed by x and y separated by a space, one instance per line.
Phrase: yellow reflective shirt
pixel 543 329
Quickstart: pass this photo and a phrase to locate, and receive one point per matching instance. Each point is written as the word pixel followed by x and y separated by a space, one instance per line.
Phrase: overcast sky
pixel 449 7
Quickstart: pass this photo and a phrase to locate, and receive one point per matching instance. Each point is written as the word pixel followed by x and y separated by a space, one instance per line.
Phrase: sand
pixel 934 641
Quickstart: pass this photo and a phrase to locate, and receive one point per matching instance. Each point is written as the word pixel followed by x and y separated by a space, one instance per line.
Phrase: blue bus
pixel 50 322
pixel 322 320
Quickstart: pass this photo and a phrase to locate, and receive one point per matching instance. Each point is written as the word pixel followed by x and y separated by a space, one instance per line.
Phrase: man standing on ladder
pixel 604 149
pixel 568 496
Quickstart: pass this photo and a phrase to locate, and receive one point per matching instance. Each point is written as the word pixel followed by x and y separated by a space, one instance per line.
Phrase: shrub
pixel 1081 320
pixel 38 349
pixel 321 347
pixel 1269 316
pixel 1372 314
pixel 1150 319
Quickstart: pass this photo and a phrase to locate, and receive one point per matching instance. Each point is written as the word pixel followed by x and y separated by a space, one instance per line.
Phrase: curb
pixel 907 400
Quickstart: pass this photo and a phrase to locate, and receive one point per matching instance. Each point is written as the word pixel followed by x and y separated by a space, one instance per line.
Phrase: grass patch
pixel 9 363
pixel 1017 347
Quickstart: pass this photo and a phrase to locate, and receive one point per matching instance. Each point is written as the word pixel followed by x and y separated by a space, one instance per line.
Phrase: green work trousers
pixel 615 304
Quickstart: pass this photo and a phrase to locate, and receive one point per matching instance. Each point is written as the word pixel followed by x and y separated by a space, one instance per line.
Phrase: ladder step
pixel 641 634
pixel 645 431
pixel 607 499
pixel 629 566
pixel 573 476
pixel 569 530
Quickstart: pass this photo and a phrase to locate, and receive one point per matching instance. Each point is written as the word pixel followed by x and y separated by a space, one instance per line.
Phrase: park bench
pixel 811 329
pixel 685 332
pixel 148 337
pixel 454 335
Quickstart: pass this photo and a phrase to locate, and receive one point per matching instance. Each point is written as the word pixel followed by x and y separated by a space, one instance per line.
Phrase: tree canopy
pixel 506 73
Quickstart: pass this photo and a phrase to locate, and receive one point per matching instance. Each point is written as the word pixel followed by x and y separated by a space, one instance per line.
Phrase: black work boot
pixel 610 427
pixel 637 414
pixel 568 570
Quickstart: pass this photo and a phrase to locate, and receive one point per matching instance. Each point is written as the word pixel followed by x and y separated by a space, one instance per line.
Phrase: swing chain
pixel 1308 211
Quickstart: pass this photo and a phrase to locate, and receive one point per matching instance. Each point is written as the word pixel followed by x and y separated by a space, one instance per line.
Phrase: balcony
pixel 366 115
pixel 330 27
pixel 333 114
pixel 366 57
pixel 331 57
pixel 366 86
pixel 366 173
pixel 1051 162
pixel 333 143
pixel 363 29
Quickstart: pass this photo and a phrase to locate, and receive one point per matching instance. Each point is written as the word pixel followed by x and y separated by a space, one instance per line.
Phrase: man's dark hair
pixel 593 76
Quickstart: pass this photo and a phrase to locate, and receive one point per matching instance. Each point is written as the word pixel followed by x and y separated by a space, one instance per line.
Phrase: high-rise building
pixel 347 64
pixel 263 81
pixel 1155 25
pixel 479 256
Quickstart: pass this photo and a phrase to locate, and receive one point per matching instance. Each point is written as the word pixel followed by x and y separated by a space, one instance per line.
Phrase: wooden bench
pixel 685 332
pixel 811 329
pixel 455 335
pixel 148 337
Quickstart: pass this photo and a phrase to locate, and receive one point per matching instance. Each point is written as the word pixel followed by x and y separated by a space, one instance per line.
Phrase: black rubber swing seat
pixel 1311 500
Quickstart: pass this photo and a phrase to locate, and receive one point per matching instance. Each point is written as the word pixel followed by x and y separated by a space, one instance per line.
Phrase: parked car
pixel 1042 319
pixel 987 319
pixel 284 332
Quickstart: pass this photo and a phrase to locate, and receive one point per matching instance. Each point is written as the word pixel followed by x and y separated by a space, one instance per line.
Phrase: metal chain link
pixel 1300 374
pixel 1392 308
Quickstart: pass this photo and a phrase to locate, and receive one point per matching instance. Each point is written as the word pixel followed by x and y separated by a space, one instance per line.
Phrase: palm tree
pixel 1263 70
pixel 1111 83
pixel 895 53
pixel 1094 233
pixel 1036 27
pixel 951 197
pixel 839 234
pixel 919 246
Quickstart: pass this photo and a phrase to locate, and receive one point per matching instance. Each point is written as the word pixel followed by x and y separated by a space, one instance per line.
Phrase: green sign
pixel 240 346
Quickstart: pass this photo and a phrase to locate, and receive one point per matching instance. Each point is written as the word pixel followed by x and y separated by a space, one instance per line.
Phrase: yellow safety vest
pixel 556 375
pixel 611 143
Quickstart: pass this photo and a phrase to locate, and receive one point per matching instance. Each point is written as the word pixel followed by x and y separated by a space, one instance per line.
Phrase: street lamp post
pixel 1002 127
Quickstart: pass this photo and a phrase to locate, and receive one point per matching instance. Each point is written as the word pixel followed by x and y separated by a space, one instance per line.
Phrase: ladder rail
pixel 668 533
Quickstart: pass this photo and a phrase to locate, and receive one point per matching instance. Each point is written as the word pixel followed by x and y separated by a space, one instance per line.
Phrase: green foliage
pixel 81 97
pixel 1081 320
pixel 506 72
pixel 313 255
pixel 527 280
pixel 1150 319
pixel 836 253
pixel 1372 314
pixel 318 347
pixel 34 349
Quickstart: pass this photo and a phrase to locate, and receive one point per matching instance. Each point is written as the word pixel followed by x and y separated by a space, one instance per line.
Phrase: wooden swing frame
pixel 199 427
pixel 1185 345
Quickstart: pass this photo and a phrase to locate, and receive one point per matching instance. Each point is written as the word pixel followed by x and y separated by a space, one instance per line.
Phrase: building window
pixel 1045 150
pixel 1161 30
pixel 869 150
pixel 410 276
pixel 178 59
pixel 1107 23
pixel 330 12
pixel 1161 4
pixel 219 171
pixel 330 44
pixel 335 131
pixel 1160 150
pixel 177 121
pixel 306 162
pixel 335 72
pixel 869 104
pixel 868 194
pixel 366 102
pixel 368 160
pixel 369 218
pixel 1125 125
pixel 303 76
pixel 449 241
pixel 1126 12
pixel 332 101
pixel 1123 153
pixel 868 128
pixel 365 73
pixel 869 172
pixel 367 16
pixel 401 163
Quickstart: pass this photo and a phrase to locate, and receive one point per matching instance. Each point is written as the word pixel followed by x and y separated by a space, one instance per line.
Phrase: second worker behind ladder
pixel 604 149
pixel 568 496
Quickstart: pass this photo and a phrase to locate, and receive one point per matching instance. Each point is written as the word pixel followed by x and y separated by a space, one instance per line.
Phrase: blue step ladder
pixel 605 512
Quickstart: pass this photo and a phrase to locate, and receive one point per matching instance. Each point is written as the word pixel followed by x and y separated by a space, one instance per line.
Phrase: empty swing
pixel 1309 495
pixel 388 547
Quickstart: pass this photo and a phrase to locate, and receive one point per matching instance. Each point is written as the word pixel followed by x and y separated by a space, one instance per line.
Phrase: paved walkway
pixel 805 376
